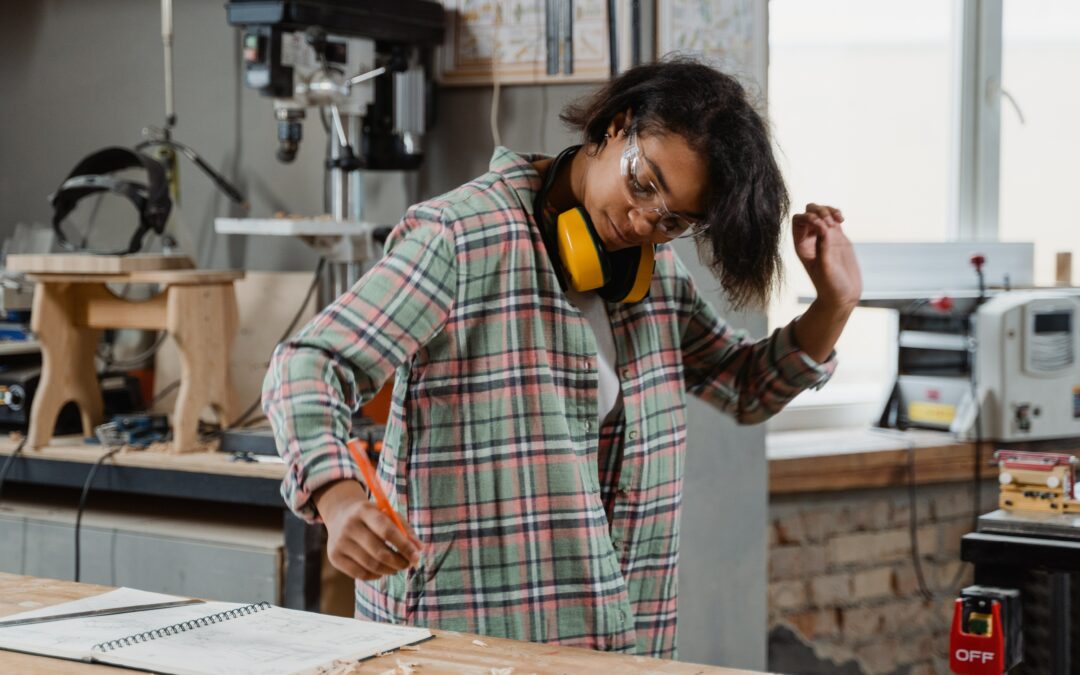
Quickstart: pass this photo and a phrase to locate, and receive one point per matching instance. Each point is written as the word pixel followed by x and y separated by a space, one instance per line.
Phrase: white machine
pixel 1027 366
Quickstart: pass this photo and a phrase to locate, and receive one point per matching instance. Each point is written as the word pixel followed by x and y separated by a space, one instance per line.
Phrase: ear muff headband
pixel 90 176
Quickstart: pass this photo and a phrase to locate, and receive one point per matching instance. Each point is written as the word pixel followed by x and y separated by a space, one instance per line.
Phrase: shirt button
pixel 622 491
pixel 588 425
pixel 626 373
pixel 633 434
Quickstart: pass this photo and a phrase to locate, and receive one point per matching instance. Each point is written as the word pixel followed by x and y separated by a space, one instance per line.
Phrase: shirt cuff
pixel 794 365
pixel 316 470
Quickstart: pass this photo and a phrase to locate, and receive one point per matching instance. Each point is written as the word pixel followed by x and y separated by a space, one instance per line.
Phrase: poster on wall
pixel 730 34
pixel 525 42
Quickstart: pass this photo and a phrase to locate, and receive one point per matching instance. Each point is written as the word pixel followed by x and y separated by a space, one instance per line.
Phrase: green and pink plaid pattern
pixel 537 524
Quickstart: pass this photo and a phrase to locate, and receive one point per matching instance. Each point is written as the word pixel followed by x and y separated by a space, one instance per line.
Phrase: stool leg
pixel 67 370
pixel 203 321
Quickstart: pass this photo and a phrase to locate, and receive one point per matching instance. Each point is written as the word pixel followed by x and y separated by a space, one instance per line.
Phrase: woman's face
pixel 620 201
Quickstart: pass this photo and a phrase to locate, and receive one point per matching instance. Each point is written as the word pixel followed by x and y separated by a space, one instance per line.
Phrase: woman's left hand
pixel 827 254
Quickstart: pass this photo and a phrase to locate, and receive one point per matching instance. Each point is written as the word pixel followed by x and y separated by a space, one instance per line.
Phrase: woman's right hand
pixel 361 539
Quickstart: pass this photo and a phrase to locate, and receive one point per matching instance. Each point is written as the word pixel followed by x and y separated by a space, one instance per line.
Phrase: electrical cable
pixel 82 503
pixel 9 461
pixel 131 361
pixel 216 178
pixel 168 389
pixel 925 590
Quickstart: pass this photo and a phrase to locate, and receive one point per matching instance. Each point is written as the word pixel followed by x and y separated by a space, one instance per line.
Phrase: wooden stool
pixel 196 307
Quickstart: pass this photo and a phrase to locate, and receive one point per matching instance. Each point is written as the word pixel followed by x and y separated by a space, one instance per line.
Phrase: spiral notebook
pixel 212 637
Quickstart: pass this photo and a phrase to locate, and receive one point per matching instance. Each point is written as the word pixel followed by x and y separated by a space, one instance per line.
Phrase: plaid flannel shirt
pixel 537 525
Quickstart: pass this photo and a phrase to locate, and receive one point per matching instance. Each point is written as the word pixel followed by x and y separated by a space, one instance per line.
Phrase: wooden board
pixel 166 277
pixel 450 651
pixel 84 263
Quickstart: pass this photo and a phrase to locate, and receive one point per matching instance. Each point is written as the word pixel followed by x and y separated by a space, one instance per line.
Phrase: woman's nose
pixel 643 222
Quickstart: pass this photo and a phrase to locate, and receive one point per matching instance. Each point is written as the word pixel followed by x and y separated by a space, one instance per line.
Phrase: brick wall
pixel 842 580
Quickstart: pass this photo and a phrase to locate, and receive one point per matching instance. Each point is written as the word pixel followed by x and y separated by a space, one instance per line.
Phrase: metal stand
pixel 344 240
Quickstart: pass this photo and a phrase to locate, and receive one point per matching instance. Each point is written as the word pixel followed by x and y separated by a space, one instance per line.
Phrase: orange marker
pixel 359 455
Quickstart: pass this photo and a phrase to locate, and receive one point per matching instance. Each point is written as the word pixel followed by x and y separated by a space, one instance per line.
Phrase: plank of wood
pixel 450 651
pixel 85 263
pixel 165 277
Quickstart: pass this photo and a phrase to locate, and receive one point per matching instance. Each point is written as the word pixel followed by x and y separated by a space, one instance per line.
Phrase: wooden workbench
pixel 833 460
pixel 205 477
pixel 76 450
pixel 450 652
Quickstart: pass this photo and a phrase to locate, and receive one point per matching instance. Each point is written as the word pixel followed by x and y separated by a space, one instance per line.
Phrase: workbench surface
pixel 449 652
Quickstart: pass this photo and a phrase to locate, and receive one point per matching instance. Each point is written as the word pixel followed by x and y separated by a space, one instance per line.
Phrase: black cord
pixel 175 384
pixel 287 332
pixel 82 503
pixel 216 178
pixel 913 519
pixel 9 461
pixel 916 559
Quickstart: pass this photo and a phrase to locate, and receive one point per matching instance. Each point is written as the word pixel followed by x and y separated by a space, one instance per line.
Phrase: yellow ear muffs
pixel 581 251
pixel 623 276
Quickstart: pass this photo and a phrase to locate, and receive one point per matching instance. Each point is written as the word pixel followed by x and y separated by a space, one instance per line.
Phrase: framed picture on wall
pixel 526 41
pixel 731 34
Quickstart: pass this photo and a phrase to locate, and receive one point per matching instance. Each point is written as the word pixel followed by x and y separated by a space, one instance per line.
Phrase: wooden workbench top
pixel 75 449
pixel 450 652
pixel 852 459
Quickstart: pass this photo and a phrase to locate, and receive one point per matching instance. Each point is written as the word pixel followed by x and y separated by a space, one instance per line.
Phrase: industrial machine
pixel 1027 366
pixel 1010 362
pixel 365 68
pixel 997 362
pixel 1025 555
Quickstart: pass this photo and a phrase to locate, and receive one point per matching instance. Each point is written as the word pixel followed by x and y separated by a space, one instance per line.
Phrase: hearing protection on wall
pixel 579 256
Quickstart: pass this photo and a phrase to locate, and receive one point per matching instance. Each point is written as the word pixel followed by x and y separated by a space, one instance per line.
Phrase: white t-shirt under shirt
pixel 609 393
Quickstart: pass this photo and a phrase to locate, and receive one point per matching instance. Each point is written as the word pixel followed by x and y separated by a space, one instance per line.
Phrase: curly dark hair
pixel 747 201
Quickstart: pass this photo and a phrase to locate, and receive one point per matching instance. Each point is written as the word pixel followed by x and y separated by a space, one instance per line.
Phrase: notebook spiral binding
pixel 180 627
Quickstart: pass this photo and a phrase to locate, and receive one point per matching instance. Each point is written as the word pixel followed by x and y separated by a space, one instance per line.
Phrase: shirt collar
pixel 518 173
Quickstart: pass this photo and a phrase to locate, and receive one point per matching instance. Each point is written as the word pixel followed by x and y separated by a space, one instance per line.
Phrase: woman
pixel 537 432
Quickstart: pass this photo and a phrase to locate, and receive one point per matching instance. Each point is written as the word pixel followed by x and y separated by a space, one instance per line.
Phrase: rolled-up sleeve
pixel 340 360
pixel 749 379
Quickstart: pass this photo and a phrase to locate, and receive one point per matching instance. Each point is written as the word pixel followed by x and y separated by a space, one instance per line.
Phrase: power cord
pixel 132 361
pixel 82 503
pixel 913 518
pixel 168 389
pixel 9 461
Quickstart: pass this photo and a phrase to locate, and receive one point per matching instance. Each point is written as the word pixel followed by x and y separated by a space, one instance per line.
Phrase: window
pixel 1040 67
pixel 861 97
